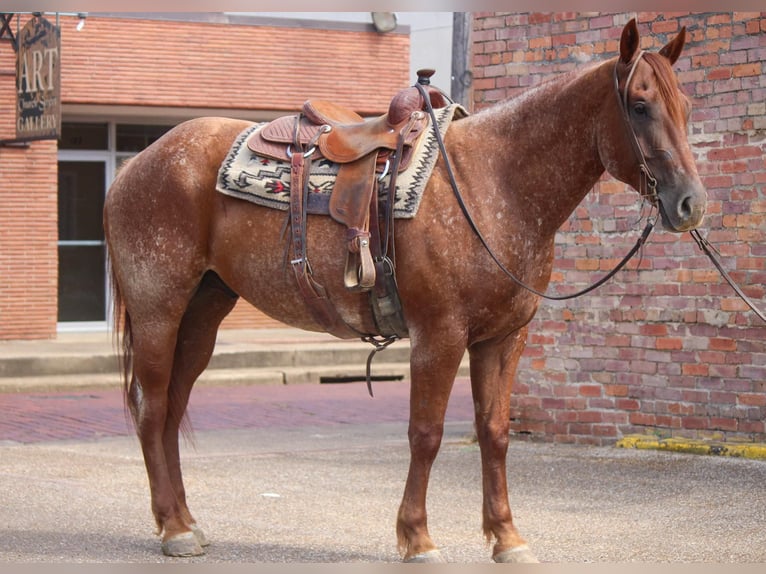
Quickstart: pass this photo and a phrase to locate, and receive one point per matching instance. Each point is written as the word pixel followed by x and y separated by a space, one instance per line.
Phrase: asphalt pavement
pixel 311 473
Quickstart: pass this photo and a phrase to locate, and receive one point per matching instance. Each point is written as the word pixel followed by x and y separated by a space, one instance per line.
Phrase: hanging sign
pixel 38 81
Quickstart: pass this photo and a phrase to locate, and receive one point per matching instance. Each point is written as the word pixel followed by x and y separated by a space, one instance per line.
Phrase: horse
pixel 181 254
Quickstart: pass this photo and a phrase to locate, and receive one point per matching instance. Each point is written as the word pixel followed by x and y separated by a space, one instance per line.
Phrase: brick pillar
pixel 28 223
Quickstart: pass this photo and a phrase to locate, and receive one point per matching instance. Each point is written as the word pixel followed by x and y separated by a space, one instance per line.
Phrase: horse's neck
pixel 544 146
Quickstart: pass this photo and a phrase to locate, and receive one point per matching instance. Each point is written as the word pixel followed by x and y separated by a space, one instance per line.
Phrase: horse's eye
pixel 639 108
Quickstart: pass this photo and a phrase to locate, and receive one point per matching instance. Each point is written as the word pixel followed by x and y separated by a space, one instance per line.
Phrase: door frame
pixel 107 157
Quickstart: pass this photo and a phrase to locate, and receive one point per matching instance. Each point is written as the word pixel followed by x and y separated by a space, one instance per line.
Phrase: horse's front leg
pixel 493 369
pixel 433 366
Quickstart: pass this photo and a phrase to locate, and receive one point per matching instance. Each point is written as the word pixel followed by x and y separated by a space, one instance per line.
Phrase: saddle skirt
pixel 265 180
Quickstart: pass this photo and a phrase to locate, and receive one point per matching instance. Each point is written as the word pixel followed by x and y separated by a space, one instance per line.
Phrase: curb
pixel 754 451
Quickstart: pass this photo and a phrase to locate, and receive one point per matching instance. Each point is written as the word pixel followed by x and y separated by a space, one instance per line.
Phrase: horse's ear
pixel 629 43
pixel 674 48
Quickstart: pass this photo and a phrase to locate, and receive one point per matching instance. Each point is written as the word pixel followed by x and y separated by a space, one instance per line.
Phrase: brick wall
pixel 163 63
pixel 28 223
pixel 245 316
pixel 668 348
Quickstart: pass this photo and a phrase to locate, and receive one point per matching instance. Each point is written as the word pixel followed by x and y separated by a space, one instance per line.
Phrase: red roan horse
pixel 180 253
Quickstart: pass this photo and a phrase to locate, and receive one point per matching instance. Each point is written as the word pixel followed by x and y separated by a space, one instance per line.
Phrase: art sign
pixel 38 81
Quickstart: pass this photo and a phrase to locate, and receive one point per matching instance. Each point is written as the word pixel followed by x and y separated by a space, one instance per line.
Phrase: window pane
pixel 82 294
pixel 81 200
pixel 136 137
pixel 84 136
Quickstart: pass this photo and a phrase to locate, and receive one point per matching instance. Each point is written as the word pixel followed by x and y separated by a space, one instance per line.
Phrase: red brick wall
pixel 116 61
pixel 668 349
pixel 164 63
pixel 28 223
pixel 245 316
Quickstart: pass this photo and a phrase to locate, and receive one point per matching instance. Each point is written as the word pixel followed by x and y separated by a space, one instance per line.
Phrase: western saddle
pixel 366 151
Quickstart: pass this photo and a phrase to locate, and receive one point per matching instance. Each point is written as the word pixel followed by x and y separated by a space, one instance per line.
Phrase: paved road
pixel 314 473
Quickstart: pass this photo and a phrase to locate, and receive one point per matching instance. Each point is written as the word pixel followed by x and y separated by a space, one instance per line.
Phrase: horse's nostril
pixel 685 208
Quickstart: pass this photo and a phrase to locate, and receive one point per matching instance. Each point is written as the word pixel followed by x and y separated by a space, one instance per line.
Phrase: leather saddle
pixel 366 151
pixel 341 135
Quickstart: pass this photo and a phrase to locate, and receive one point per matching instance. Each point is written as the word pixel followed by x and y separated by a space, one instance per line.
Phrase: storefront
pixel 125 80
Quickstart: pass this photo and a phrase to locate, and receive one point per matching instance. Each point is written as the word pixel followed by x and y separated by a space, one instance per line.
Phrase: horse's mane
pixel 667 85
pixel 515 104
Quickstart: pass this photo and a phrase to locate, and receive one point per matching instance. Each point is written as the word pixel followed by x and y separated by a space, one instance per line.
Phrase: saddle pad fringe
pixel 266 182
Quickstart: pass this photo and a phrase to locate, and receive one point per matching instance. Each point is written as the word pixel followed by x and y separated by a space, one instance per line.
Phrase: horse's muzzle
pixel 683 209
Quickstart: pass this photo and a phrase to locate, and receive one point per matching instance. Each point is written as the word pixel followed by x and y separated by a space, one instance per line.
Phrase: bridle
pixel 648 184
pixel 648 190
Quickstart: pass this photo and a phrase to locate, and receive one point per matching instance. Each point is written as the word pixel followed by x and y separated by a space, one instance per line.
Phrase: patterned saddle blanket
pixel 266 182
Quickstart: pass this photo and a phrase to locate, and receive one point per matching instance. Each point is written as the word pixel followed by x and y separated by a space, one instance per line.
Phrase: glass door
pixel 81 250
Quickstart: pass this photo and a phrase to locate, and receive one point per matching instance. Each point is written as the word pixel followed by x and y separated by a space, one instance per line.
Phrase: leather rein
pixel 648 190
pixel 709 250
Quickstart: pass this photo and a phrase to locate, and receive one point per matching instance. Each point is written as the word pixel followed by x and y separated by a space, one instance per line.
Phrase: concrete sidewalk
pixel 102 342
pixel 242 356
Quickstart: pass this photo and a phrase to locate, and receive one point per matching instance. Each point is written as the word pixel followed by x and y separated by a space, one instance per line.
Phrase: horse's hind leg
pixel 170 349
pixel 154 344
pixel 493 369
pixel 194 348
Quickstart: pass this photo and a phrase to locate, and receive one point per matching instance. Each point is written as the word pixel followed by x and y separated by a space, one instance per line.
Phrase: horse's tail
pixel 121 325
pixel 123 341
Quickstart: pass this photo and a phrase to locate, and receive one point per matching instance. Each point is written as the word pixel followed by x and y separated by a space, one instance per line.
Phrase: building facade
pixel 125 80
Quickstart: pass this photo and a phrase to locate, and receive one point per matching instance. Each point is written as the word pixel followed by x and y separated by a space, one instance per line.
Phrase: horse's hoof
pixel 518 555
pixel 184 544
pixel 429 557
pixel 201 538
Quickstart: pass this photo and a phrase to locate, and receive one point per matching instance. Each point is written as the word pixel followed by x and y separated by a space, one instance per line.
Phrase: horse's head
pixel 648 148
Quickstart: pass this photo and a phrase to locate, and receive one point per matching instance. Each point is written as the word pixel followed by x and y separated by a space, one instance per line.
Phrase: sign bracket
pixel 6 32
